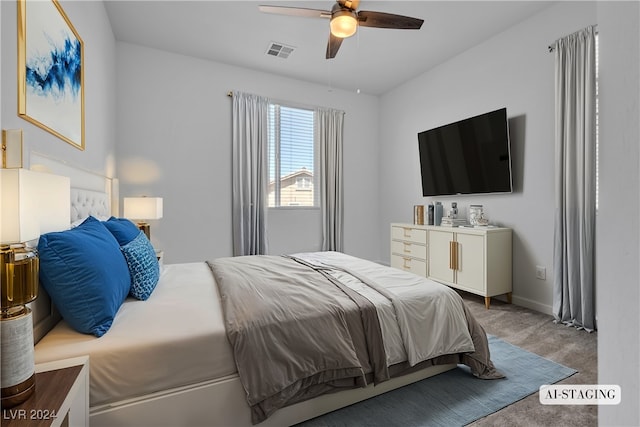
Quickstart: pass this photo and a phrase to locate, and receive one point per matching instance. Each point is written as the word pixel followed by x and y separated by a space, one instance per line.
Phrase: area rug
pixel 454 398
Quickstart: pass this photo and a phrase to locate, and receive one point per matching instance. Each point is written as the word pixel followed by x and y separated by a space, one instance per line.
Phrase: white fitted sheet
pixel 175 338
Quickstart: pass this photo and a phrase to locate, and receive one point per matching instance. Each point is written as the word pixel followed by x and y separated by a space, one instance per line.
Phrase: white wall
pixel 618 233
pixel 513 70
pixel 92 24
pixel 174 141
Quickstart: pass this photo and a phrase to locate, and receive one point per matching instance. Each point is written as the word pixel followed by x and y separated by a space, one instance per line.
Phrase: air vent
pixel 280 50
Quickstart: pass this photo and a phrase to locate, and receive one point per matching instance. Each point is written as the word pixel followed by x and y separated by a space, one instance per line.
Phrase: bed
pixel 184 356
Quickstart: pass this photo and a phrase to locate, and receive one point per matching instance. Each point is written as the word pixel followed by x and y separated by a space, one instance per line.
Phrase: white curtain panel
pixel 575 179
pixel 330 128
pixel 250 173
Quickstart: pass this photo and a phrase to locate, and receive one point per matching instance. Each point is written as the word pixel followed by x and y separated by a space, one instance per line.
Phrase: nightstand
pixel 61 397
pixel 160 256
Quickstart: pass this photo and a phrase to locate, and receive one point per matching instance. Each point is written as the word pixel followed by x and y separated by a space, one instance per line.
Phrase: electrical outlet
pixel 541 272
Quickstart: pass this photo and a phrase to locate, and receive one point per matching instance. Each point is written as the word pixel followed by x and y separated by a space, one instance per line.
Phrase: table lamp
pixel 142 209
pixel 30 203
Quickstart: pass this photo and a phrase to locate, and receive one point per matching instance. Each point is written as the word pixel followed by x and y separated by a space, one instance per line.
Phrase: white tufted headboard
pixel 85 203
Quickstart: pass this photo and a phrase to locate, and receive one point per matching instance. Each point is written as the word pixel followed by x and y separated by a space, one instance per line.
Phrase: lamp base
pixel 146 228
pixel 17 360
pixel 13 396
pixel 19 267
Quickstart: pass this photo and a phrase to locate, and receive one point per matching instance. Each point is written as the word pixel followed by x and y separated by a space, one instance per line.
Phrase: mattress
pixel 175 338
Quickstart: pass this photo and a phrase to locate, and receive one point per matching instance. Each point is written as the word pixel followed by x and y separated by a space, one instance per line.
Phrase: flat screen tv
pixel 470 156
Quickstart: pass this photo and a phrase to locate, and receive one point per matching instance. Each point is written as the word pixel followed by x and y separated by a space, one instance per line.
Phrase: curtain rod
pixel 552 48
pixel 291 103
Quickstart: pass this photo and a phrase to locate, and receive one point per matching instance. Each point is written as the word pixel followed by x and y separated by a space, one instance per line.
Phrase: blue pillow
pixel 86 275
pixel 122 229
pixel 143 266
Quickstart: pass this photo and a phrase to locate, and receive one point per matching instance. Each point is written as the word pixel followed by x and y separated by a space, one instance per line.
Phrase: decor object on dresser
pixel 11 148
pixel 143 209
pixel 475 213
pixel 418 214
pixel 448 221
pixel 470 259
pixel 438 210
pixel 50 71
pixel 22 193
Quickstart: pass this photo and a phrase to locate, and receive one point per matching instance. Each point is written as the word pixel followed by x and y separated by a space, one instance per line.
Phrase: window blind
pixel 291 156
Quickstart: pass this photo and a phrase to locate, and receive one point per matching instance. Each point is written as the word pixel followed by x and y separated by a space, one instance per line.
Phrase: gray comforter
pixel 296 333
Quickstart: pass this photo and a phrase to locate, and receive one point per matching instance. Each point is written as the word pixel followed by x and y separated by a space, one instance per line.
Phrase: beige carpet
pixel 537 333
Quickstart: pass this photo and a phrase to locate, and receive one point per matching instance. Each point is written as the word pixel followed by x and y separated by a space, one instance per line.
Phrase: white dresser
pixel 476 260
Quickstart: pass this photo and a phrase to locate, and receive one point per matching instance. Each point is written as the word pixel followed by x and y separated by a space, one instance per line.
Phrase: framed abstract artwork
pixel 50 71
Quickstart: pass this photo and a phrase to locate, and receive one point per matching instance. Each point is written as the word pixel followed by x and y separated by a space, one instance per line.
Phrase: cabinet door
pixel 471 262
pixel 439 250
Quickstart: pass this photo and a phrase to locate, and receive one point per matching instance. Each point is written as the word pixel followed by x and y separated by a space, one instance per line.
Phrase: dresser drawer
pixel 409 234
pixel 409 249
pixel 413 265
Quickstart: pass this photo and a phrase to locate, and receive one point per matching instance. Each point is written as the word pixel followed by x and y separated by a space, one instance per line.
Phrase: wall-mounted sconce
pixel 11 148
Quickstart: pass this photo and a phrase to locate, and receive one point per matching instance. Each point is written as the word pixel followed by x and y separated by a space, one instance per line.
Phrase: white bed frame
pixel 223 403
pixel 220 402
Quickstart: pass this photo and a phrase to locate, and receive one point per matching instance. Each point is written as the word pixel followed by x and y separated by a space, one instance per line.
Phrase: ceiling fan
pixel 345 19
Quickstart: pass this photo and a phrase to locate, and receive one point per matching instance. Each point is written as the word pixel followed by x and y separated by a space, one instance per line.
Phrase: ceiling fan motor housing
pixel 344 21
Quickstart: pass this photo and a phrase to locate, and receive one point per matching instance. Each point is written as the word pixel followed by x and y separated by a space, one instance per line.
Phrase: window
pixel 291 157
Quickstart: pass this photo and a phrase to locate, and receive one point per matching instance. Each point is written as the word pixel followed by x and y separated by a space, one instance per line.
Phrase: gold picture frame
pixel 50 71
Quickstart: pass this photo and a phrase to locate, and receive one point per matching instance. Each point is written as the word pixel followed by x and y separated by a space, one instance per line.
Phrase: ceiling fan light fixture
pixel 343 23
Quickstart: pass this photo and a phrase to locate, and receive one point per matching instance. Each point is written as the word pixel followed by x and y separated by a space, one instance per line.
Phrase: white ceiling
pixel 373 61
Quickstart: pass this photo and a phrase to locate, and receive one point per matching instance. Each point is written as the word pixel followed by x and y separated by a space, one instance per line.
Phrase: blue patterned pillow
pixel 143 266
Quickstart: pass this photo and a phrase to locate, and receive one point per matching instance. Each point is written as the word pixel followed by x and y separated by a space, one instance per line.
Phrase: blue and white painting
pixel 53 72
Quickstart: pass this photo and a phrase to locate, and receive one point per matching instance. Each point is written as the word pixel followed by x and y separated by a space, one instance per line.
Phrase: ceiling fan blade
pixel 388 20
pixel 295 11
pixel 333 45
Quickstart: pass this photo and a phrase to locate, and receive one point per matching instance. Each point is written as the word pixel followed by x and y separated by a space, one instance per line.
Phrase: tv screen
pixel 467 157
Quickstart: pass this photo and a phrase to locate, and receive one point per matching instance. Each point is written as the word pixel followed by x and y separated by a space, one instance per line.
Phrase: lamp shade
pixel 32 203
pixel 143 208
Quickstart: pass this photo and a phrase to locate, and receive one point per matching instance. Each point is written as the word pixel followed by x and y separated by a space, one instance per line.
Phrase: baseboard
pixel 533 305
